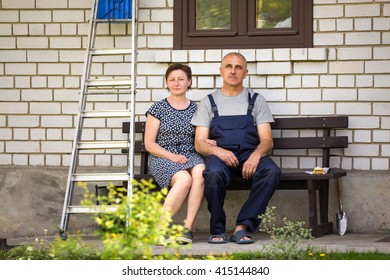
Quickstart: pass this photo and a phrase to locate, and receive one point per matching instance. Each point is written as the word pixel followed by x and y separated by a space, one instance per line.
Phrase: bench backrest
pixel 322 139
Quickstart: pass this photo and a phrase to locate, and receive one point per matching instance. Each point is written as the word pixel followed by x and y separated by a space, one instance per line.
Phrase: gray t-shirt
pixel 232 105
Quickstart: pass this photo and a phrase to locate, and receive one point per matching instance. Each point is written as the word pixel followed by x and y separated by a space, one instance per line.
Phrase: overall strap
pixel 214 108
pixel 251 102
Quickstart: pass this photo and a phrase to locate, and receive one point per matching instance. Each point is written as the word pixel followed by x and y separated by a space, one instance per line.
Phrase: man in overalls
pixel 239 121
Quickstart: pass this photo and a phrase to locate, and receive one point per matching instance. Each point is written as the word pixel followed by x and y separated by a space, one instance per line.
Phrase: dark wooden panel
pixel 311 142
pixel 311 122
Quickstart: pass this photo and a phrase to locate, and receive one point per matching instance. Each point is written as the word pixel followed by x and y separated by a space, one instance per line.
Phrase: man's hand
pixel 250 166
pixel 228 157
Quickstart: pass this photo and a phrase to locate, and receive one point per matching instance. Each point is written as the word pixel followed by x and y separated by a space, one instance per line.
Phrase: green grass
pixel 349 255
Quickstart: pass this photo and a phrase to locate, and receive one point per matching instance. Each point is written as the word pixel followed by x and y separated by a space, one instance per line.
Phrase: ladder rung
pixel 97 52
pixel 108 82
pixel 93 209
pixel 101 177
pixel 107 114
pixel 103 145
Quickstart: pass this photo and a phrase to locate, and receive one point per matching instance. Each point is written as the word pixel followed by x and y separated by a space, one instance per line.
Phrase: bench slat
pixel 311 142
pixel 311 122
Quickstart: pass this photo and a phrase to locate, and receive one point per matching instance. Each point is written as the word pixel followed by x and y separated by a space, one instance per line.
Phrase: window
pixel 216 24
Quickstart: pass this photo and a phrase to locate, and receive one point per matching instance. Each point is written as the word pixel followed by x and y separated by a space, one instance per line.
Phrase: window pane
pixel 213 14
pixel 273 14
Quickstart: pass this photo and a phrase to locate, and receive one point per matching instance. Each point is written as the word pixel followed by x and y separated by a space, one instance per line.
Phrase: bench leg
pixel 324 227
pixel 312 207
pixel 323 193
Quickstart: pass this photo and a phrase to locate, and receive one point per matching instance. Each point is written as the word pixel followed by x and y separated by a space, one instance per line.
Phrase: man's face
pixel 233 70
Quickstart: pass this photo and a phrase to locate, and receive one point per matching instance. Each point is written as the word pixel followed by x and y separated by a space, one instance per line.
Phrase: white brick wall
pixel 41 61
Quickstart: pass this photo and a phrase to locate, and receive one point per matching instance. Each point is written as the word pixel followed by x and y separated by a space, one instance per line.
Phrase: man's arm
pixel 265 146
pixel 203 146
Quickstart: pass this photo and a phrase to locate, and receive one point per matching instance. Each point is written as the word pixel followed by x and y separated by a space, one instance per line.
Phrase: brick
pixel 9 16
pixel 36 29
pixel 353 108
pixel 363 122
pixel 310 81
pixel 346 81
pixel 364 10
pixel 163 56
pixel 13 108
pixel 381 109
pixel 385 150
pixel 361 163
pixel 54 134
pixel 344 24
pixel 32 43
pixel 53 69
pixel 377 66
pixel 5 134
pixel 304 95
pixel 7 82
pixel 374 95
pixel 364 81
pixel 55 82
pixel 21 134
pixel 299 54
pixel 38 82
pixel 162 15
pixel 310 67
pixel 21 160
pixel 205 68
pixel 53 160
pixel 281 54
pixel 152 4
pixel 362 150
pixel 5 159
pixel 340 94
pixel 264 55
pixel 20 29
pixel 68 16
pixel 257 81
pixel 363 38
pixel 68 29
pixel 180 56
pixel 354 53
pixel 327 81
pixel 325 39
pixel 42 56
pixel 43 108
pixel 23 121
pixel 38 134
pixel 22 147
pixel 83 4
pixel 152 28
pixel 8 43
pixel 283 109
pixel 380 164
pixel 381 136
pixel 317 108
pixel 196 55
pixel 53 29
pixel 65 43
pixel 163 42
pixel 328 11
pixel 381 52
pixel 56 121
pixel 9 95
pixel 362 136
pixel 325 25
pixel 12 4
pixel 36 160
pixel 344 67
pixel 274 68
pixel 382 81
pixel 49 4
pixel 5 29
pixel 35 16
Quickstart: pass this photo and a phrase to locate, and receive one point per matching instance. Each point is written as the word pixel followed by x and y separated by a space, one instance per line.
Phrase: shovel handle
pixel 340 191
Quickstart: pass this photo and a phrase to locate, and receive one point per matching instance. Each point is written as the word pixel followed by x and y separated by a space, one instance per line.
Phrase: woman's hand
pixel 178 159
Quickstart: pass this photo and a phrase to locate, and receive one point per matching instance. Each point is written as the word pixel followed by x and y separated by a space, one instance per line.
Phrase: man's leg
pixel 265 182
pixel 216 177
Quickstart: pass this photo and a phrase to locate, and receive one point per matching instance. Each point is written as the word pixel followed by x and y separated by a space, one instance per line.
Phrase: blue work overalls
pixel 238 134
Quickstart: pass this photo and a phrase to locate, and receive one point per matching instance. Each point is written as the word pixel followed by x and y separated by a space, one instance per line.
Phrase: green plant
pixel 286 238
pixel 138 222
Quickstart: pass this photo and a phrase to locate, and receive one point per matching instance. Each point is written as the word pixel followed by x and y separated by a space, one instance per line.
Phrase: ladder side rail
pixel 134 23
pixel 74 155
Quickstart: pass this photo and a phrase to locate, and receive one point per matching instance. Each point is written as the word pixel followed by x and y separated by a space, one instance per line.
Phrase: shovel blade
pixel 341 219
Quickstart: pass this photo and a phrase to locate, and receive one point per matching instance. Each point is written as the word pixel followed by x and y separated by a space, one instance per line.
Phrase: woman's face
pixel 178 82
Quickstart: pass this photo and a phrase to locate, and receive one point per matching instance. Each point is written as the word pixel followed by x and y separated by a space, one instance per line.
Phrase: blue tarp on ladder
pixel 114 9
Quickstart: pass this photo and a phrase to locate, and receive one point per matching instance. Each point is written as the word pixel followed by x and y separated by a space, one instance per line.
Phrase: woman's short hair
pixel 178 66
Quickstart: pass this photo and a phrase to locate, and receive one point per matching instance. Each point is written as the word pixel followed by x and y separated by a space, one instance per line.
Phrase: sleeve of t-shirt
pixel 263 113
pixel 202 114
pixel 154 110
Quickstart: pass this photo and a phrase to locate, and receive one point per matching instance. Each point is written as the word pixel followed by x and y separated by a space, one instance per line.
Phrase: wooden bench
pixel 322 138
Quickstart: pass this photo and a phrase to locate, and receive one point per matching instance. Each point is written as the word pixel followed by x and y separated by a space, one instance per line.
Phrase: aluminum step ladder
pixel 98 84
